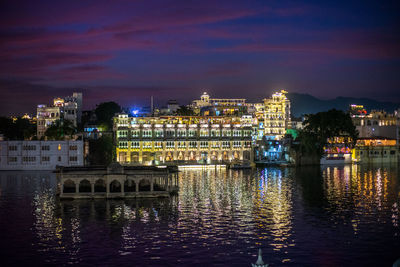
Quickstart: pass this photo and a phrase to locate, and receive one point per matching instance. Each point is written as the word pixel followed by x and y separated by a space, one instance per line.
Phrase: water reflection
pixel 257 206
pixel 297 216
pixel 358 192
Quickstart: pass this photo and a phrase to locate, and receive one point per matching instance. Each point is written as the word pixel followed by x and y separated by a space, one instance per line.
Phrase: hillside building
pixel 68 108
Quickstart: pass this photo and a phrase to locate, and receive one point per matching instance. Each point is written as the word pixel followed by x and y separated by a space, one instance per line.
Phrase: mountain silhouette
pixel 305 104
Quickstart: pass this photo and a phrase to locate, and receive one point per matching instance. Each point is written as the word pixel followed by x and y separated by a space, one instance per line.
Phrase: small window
pixel 59 158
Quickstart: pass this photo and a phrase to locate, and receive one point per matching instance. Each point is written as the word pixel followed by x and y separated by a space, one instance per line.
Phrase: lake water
pixel 329 216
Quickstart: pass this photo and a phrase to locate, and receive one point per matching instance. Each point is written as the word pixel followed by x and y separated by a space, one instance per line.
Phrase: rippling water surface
pixel 332 216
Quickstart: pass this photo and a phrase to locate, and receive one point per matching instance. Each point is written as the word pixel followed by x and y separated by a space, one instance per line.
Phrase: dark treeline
pixel 17 129
pixel 319 128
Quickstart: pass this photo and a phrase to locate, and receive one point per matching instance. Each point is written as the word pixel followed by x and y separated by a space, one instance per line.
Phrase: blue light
pixel 135 112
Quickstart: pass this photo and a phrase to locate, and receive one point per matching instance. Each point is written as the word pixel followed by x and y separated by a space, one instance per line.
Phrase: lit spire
pixel 259 262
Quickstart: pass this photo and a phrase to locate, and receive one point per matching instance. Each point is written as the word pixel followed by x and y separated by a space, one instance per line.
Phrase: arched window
pixel 99 186
pixel 130 185
pixel 115 187
pixel 144 185
pixel 69 186
pixel 84 186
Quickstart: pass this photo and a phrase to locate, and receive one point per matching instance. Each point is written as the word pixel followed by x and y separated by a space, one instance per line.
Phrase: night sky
pixel 126 51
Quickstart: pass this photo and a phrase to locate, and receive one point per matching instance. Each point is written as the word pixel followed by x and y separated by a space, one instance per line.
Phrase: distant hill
pixel 305 104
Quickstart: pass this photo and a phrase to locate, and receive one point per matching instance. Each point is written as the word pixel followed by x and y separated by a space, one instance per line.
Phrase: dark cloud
pixel 137 48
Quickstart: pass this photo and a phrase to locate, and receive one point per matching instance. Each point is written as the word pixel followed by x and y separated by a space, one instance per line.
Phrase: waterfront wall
pixel 116 182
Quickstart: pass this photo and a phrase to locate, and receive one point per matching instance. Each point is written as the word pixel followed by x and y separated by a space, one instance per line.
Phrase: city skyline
pixel 127 52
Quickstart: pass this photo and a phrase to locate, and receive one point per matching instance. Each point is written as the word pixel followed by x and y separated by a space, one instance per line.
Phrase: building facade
pixel 181 140
pixel 46 116
pixel 337 150
pixel 376 123
pixel 68 108
pixel 376 150
pixel 276 116
pixel 207 106
pixel 40 155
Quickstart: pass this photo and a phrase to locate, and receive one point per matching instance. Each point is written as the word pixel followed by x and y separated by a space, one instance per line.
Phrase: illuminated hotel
pixel 221 106
pixel 182 139
pixel 276 115
pixel 228 130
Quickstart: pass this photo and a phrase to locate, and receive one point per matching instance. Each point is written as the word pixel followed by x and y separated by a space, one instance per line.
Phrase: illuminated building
pixel 297 123
pixel 337 150
pixel 46 116
pixel 377 123
pixel 276 116
pixel 272 126
pixel 375 150
pixel 40 155
pixel 68 108
pixel 173 106
pixel 205 100
pixel 181 139
pixel 207 106
pixel 357 110
pixel 93 131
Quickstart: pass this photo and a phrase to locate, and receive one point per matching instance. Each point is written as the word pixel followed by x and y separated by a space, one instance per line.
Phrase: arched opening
pixel 158 157
pixel 99 186
pixel 115 187
pixel 246 155
pixel 147 157
pixel 122 157
pixel 236 155
pixel 134 157
pixel 169 156
pixel 84 186
pixel 225 156
pixel 181 155
pixel 157 186
pixel 69 186
pixel 130 186
pixel 144 185
pixel 192 155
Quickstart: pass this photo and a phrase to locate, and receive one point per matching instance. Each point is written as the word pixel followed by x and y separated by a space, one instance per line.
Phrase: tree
pixel 60 129
pixel 319 127
pixel 105 112
pixel 101 150
pixel 19 129
pixel 185 111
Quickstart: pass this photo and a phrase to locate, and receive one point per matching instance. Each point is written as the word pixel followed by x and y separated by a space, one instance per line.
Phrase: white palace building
pixel 40 155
